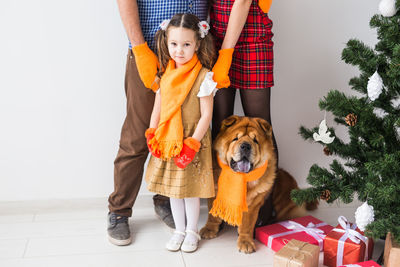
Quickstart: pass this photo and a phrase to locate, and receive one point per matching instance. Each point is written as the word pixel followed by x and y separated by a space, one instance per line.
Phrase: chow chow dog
pixel 245 144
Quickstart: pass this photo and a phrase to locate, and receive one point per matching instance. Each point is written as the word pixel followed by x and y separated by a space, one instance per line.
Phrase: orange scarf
pixel 175 85
pixel 230 202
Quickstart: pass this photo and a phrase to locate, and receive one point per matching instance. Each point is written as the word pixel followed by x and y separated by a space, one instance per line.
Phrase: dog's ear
pixel 265 126
pixel 228 122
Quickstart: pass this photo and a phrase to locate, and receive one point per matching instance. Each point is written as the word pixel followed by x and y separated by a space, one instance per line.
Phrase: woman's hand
pixel 221 68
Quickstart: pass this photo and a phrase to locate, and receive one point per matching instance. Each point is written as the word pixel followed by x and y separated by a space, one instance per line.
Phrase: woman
pixel 242 32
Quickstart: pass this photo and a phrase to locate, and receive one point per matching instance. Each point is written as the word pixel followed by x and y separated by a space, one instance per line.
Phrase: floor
pixel 73 233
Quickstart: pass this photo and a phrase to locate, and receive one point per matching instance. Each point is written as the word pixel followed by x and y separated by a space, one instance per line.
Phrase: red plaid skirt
pixel 253 59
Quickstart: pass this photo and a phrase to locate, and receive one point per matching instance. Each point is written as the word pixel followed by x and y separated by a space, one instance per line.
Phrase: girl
pixel 179 137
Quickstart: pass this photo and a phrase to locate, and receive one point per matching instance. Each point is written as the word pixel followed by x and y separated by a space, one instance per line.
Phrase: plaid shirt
pixel 153 12
pixel 253 59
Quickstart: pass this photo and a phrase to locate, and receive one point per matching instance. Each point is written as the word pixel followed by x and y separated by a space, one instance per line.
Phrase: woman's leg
pixel 224 102
pixel 256 103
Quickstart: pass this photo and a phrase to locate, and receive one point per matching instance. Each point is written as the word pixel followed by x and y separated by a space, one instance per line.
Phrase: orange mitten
pixel 265 5
pixel 149 134
pixel 221 68
pixel 146 63
pixel 190 147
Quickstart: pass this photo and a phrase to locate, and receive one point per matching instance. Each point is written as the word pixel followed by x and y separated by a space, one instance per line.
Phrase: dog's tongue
pixel 244 166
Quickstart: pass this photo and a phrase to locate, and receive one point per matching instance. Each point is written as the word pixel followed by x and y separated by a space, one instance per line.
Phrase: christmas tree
pixel 370 165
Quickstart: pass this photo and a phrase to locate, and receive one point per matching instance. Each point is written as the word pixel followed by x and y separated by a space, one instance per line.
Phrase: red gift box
pixel 363 264
pixel 346 244
pixel 307 229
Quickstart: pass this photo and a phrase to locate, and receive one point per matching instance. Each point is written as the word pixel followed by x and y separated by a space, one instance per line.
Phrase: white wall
pixel 62 100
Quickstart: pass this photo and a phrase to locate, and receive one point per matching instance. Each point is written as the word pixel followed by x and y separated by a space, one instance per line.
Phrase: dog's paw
pixel 208 233
pixel 246 245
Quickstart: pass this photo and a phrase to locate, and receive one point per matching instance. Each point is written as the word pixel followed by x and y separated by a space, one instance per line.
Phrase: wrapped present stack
pixel 297 254
pixel 306 229
pixel 346 244
pixel 392 252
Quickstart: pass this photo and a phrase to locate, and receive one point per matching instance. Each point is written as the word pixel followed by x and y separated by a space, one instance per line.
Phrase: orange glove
pixel 190 147
pixel 149 135
pixel 147 64
pixel 221 68
pixel 265 5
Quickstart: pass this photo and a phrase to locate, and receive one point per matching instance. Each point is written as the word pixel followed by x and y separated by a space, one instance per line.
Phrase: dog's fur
pixel 245 144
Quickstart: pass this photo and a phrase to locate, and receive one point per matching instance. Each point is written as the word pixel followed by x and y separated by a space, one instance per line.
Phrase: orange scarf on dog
pixel 175 85
pixel 230 202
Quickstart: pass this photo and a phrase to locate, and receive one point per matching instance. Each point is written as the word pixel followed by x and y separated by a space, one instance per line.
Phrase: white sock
pixel 192 207
pixel 178 213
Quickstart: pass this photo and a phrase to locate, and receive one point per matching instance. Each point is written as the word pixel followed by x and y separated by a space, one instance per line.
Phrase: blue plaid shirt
pixel 153 12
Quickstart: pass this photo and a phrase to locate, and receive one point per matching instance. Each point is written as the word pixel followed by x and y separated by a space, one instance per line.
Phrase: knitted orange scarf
pixel 230 202
pixel 175 85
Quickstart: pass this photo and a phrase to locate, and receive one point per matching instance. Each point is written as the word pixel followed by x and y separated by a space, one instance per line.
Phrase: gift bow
pixel 311 229
pixel 349 232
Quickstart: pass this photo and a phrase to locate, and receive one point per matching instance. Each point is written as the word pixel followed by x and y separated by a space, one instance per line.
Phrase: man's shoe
pixel 162 208
pixel 118 229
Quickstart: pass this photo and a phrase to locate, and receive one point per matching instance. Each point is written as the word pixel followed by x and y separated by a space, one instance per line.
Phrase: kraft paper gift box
pixel 297 254
pixel 346 244
pixel 392 252
pixel 363 264
pixel 306 229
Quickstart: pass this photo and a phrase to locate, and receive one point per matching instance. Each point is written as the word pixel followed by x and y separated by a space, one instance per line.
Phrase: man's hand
pixel 147 65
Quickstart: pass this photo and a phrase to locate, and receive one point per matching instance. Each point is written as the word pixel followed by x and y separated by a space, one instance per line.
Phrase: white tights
pixel 186 214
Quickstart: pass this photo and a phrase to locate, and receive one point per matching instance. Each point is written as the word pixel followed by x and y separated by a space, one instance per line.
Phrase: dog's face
pixel 244 143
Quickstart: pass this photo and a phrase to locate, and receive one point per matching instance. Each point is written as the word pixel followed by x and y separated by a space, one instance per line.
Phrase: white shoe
pixel 190 246
pixel 174 244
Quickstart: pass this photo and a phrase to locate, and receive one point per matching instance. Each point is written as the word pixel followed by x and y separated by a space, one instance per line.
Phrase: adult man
pixel 141 20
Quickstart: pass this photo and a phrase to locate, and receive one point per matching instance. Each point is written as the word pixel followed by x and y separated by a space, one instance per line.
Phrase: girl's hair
pixel 206 51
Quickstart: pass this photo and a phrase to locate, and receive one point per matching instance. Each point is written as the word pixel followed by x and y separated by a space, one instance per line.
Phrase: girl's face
pixel 182 44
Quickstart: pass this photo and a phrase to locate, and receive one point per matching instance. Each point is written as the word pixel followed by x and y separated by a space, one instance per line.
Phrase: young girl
pixel 179 136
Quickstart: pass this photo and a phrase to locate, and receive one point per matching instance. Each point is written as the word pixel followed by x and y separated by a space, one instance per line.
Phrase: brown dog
pixel 245 144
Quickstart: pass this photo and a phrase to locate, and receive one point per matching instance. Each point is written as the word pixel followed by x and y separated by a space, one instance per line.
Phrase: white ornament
pixel 364 215
pixel 375 86
pixel 387 8
pixel 323 135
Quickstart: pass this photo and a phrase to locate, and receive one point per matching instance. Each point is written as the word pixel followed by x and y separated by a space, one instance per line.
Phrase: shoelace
pixel 116 219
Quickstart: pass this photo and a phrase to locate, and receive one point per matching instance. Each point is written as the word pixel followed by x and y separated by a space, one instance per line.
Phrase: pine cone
pixel 351 119
pixel 325 195
pixel 327 151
